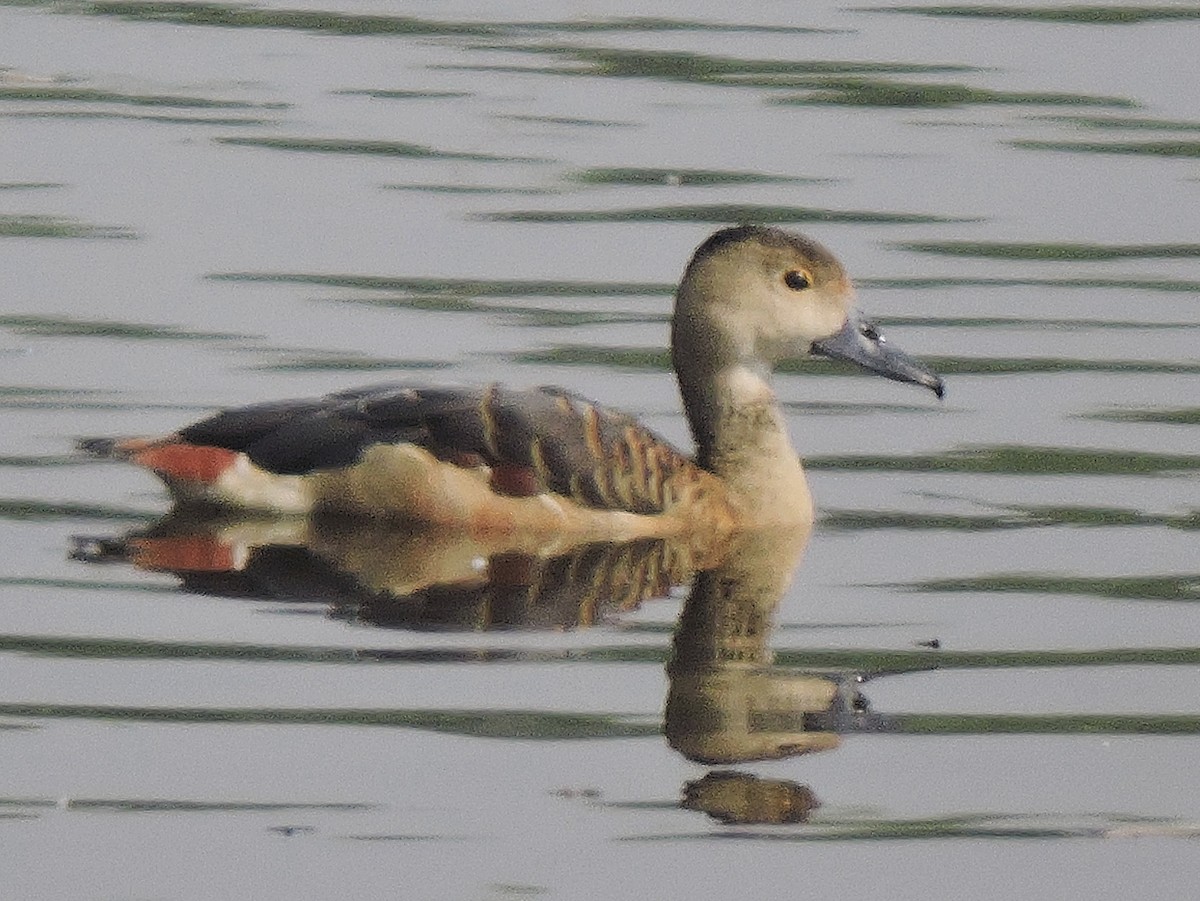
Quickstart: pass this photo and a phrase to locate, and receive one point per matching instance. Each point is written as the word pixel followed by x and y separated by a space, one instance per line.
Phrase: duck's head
pixel 753 296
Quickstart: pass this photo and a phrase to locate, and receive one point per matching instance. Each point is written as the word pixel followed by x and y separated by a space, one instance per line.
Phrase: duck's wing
pixel 534 440
pixel 295 437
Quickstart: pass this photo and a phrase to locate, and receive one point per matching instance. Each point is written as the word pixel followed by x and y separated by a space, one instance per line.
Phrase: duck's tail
pixel 104 448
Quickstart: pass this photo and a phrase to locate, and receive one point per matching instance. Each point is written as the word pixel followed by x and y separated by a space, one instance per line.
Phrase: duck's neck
pixel 741 436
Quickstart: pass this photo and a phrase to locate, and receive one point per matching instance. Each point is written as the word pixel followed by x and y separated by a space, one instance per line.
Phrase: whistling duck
pixel 495 460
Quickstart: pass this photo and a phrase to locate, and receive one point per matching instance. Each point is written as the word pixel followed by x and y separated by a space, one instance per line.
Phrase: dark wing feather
pixel 602 458
pixel 239 428
pixel 294 437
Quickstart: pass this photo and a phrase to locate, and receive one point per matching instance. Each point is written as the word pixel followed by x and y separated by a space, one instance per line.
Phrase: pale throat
pixel 747 383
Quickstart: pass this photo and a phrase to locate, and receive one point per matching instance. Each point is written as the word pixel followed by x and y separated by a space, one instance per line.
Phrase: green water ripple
pixel 70 327
pixel 1179 149
pixel 1018 460
pixel 334 362
pixel 401 94
pixel 1074 14
pixel 1090 282
pixel 1055 252
pixel 33 510
pixel 460 287
pixel 640 176
pixel 178 805
pixel 38 226
pixel 719 213
pixel 537 317
pixel 238 15
pixel 69 93
pixel 1169 587
pixel 528 725
pixel 1007 518
pixel 157 118
pixel 704 68
pixel 402 149
pixel 1163 416
pixel 880 92
pixel 822 828
pixel 1133 123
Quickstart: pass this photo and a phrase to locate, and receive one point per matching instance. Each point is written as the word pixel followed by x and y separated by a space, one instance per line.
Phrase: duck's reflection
pixel 400 577
pixel 727 703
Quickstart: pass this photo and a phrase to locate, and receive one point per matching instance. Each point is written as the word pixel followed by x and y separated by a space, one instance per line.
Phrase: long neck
pixel 740 433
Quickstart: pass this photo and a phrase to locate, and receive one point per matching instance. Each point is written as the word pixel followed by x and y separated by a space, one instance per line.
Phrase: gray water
pixel 208 204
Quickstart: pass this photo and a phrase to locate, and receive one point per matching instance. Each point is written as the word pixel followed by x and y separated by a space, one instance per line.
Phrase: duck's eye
pixel 797 279
pixel 871 333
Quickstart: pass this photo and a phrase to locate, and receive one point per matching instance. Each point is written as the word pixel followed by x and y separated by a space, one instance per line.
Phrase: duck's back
pixel 531 441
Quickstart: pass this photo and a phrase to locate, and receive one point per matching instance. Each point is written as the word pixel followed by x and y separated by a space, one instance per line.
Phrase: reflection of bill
pixel 730 715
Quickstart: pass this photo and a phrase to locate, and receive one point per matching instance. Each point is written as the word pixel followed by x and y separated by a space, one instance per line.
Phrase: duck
pixel 493 461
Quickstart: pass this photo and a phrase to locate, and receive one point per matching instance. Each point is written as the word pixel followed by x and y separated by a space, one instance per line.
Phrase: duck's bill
pixel 860 342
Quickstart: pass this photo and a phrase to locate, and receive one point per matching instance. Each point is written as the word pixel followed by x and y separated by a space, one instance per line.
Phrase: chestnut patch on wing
pixel 515 481
pixel 186 462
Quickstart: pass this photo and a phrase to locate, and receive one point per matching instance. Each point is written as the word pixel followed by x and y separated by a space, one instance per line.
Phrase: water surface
pixel 204 204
